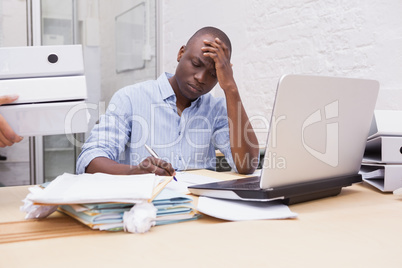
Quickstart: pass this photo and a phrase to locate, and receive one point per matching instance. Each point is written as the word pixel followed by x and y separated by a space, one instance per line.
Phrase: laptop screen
pixel 318 129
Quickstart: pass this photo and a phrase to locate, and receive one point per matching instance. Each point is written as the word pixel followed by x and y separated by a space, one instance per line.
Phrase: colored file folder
pixel 172 207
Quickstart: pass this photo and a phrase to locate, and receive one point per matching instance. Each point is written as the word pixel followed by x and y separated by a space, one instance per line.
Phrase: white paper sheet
pixel 97 188
pixel 185 179
pixel 375 174
pixel 234 210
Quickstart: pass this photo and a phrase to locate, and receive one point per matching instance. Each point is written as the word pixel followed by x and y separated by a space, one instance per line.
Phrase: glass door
pixel 99 26
pixel 15 160
pixel 58 27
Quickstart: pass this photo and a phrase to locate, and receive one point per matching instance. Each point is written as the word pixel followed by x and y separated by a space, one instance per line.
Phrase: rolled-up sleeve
pixel 109 137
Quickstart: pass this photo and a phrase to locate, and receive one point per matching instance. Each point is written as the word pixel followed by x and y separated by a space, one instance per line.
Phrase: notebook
pixel 318 131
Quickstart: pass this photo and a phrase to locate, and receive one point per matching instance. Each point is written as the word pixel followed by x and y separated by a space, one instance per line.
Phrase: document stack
pixel 171 207
pixel 382 160
pixel 100 200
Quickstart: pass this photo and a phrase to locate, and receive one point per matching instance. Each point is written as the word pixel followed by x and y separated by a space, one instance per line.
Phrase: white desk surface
pixel 361 227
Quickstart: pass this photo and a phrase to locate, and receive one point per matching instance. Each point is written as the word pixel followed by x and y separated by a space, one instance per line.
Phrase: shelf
pixel 52 150
pixel 13 161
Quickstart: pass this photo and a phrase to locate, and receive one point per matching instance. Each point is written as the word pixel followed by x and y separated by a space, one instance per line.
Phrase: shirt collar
pixel 167 90
pixel 165 87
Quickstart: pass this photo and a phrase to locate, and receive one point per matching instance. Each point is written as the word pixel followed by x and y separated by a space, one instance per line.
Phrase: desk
pixel 361 227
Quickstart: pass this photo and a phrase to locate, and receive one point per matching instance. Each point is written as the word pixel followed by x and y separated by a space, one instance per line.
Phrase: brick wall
pixel 342 38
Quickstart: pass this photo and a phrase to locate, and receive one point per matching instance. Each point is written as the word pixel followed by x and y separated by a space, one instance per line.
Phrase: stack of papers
pixel 97 188
pixel 172 207
pixel 100 200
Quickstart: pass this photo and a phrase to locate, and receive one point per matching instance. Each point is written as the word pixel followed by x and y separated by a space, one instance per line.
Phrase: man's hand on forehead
pixel 215 46
pixel 219 52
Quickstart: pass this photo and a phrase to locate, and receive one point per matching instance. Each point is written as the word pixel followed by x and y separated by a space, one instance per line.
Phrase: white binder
pixel 47 118
pixel 386 123
pixel 51 85
pixel 385 177
pixel 45 89
pixel 41 61
pixel 384 149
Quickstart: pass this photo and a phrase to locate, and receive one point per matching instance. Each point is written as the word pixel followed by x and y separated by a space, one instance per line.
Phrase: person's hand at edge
pixel 7 135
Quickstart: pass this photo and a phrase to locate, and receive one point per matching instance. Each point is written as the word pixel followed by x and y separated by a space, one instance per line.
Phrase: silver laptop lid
pixel 318 128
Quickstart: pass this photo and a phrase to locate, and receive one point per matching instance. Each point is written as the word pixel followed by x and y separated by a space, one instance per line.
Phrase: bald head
pixel 214 32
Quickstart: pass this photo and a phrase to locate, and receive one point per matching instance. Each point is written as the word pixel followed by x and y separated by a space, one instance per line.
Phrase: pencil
pixel 159 188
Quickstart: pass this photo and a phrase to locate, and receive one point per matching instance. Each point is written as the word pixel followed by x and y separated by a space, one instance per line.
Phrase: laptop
pixel 318 132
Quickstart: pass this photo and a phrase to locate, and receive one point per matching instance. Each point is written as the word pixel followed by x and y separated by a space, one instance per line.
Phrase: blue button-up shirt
pixel 146 113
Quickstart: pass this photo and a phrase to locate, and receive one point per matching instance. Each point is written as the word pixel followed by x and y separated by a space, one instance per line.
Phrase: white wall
pixel 97 19
pixel 349 38
pixel 13 24
pixel 110 80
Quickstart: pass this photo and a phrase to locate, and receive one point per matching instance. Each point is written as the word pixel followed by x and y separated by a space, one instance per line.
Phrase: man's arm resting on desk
pixel 148 165
pixel 243 141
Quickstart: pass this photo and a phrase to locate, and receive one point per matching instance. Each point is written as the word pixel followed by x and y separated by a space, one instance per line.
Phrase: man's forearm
pixel 243 141
pixel 106 165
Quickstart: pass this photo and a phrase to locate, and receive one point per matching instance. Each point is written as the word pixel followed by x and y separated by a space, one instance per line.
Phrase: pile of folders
pixel 172 207
pixel 382 161
pixel 100 200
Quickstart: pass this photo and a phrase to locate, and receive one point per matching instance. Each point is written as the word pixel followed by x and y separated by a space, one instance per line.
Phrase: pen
pixel 154 154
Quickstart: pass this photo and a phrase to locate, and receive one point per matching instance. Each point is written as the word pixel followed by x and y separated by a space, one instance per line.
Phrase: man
pixel 177 117
pixel 7 134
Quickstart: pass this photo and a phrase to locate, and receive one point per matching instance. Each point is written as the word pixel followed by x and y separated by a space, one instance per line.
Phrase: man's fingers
pixel 217 43
pixel 164 168
pixel 161 172
pixel 209 49
pixel 210 43
pixel 157 166
pixel 8 99
pixel 220 43
pixel 211 55
pixel 217 50
pixel 7 134
pixel 4 141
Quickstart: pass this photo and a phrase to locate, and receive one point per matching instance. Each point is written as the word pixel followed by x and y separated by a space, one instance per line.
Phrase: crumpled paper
pixel 398 191
pixel 140 218
pixel 36 211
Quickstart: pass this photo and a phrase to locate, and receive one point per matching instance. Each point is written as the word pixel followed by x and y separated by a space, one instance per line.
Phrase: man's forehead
pixel 198 40
pixel 208 37
pixel 207 61
pixel 195 48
